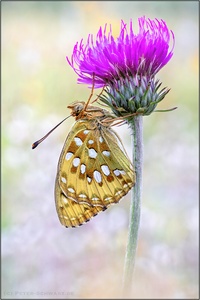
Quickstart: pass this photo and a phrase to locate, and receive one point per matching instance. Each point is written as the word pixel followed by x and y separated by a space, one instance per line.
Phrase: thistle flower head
pixel 126 65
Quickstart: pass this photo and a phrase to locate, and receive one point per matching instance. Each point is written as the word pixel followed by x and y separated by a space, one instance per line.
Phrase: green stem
pixel 136 125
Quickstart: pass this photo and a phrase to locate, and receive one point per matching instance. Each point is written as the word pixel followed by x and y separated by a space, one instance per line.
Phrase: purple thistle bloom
pixel 126 65
pixel 144 53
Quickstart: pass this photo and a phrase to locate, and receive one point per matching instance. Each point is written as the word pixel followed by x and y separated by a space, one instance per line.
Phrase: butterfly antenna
pixel 34 145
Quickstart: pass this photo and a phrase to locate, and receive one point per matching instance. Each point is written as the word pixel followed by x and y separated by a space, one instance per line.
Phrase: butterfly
pixel 94 170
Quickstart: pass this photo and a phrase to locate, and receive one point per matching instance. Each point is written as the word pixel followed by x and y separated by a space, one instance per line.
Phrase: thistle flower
pixel 127 65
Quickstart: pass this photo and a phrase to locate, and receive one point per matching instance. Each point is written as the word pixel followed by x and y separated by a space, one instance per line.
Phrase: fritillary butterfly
pixel 94 170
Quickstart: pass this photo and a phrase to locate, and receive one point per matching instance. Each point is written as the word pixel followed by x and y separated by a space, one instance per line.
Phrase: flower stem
pixel 136 125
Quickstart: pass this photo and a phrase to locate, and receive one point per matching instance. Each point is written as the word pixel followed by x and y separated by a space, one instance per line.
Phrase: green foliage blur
pixel 40 258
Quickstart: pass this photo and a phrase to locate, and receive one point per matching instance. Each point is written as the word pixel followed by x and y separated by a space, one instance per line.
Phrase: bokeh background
pixel 42 259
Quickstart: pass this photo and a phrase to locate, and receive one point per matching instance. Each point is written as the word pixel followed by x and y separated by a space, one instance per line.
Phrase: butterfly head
pixel 77 108
pixel 82 111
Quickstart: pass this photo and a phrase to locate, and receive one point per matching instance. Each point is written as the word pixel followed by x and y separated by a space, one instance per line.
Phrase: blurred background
pixel 40 257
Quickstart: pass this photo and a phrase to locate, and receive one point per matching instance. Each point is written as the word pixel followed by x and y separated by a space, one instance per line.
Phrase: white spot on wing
pixel 105 170
pixel 97 176
pixel 108 199
pixel 65 200
pixel 116 172
pixel 118 193
pixel 89 179
pixel 92 153
pixel 76 161
pixel 86 131
pixel 90 142
pixel 95 198
pixel 122 172
pixel 106 153
pixel 78 141
pixel 68 155
pixel 83 168
pixel 82 196
pixel 100 139
pixel 63 179
pixel 71 190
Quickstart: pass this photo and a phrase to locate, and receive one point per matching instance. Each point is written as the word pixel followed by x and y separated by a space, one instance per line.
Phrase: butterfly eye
pixel 78 110
pixel 79 107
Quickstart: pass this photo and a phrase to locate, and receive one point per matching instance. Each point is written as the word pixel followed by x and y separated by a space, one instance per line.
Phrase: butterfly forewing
pixel 93 172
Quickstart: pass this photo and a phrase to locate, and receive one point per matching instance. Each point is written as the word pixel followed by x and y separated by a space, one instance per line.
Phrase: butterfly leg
pixel 91 94
pixel 99 95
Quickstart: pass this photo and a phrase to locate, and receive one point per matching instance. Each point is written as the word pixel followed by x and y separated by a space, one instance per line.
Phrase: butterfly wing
pixel 93 172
